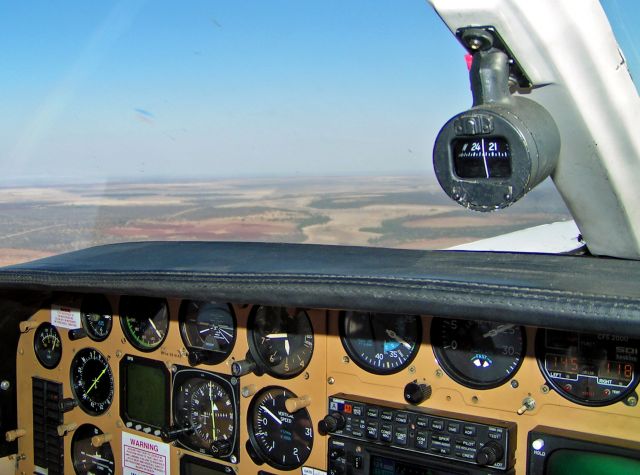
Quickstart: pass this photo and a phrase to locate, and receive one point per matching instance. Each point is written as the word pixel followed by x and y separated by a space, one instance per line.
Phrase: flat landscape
pixel 400 212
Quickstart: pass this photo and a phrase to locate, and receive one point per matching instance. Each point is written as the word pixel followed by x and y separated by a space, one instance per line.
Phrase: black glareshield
pixel 491 155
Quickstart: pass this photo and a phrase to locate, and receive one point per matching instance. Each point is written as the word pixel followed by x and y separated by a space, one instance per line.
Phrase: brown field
pixel 403 212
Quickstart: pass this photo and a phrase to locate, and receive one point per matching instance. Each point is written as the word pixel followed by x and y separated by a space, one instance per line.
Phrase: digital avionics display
pixel 557 452
pixel 145 391
pixel 192 466
pixel 565 461
pixel 387 466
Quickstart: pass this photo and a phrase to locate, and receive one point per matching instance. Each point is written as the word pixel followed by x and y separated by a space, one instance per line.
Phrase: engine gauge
pixel 281 341
pixel 478 354
pixel 47 345
pixel 380 343
pixel 92 381
pixel 588 369
pixel 96 316
pixel 207 404
pixel 87 458
pixel 208 330
pixel 145 321
pixel 279 438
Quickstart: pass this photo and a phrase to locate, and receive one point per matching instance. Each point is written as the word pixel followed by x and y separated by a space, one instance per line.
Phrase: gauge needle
pixel 495 331
pixel 484 158
pixel 275 336
pixel 395 337
pixel 275 418
pixel 155 329
pixel 95 381
pixel 214 408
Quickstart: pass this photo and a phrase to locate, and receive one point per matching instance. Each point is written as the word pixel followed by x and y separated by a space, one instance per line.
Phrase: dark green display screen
pixel 563 461
pixel 145 398
pixel 387 466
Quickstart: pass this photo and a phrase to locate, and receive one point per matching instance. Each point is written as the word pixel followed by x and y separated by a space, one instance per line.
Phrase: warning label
pixel 142 456
pixel 65 317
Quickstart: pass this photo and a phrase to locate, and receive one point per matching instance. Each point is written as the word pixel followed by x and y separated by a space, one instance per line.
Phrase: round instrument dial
pixel 88 459
pixel 208 330
pixel 478 354
pixel 380 343
pixel 145 321
pixel 92 381
pixel 96 317
pixel 47 345
pixel 280 438
pixel 588 369
pixel 205 402
pixel 281 342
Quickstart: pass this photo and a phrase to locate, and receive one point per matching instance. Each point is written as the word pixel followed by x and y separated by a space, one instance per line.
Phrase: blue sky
pixel 99 91
pixel 102 90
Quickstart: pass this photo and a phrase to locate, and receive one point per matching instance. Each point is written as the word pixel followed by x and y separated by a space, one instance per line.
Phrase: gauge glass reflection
pixel 478 354
pixel 381 343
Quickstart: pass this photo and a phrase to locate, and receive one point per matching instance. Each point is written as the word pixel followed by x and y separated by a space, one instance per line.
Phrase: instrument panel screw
pixel 475 43
pixel 233 459
pixel 123 341
pixel 412 369
pixel 118 354
pixel 306 375
pixel 174 368
pixel 5 385
pixel 475 399
pixel 439 373
pixel 345 359
pixel 331 380
pixel 632 401
pixel 514 383
pixel 544 389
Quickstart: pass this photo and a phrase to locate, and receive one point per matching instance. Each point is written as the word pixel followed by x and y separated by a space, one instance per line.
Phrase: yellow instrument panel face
pixel 251 396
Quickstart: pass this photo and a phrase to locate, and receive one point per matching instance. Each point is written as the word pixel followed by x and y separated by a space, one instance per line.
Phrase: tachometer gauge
pixel 280 438
pixel 92 381
pixel 281 342
pixel 206 403
pixel 588 369
pixel 145 321
pixel 47 345
pixel 380 343
pixel 96 316
pixel 208 330
pixel 89 458
pixel 478 354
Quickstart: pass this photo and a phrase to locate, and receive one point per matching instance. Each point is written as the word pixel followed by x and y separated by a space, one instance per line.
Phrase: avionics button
pixel 357 462
pixel 440 448
pixel 386 415
pixel 495 433
pixel 437 424
pixel 358 410
pixel 372 412
pixel 401 417
pixel 453 427
pixel 466 454
pixel 469 431
pixel 422 440
pixel 466 443
pixel 400 436
pixel 422 422
pixel 445 439
pixel 372 430
pixel 386 433
pixel 356 432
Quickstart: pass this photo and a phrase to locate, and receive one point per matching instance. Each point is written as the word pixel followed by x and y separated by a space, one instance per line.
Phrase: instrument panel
pixel 154 385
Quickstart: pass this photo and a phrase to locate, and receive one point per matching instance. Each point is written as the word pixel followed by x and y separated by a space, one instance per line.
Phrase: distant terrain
pixel 401 212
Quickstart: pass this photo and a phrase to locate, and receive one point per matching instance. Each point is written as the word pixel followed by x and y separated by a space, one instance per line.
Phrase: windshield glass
pixel 283 121
pixel 624 16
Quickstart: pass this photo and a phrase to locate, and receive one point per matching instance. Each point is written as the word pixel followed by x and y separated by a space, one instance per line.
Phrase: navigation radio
pixel 371 437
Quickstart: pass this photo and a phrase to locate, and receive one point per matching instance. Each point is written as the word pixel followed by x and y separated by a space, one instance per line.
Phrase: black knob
pixel 221 447
pixel 196 357
pixel 489 453
pixel 242 367
pixel 77 334
pixel 416 393
pixel 171 433
pixel 67 404
pixel 331 423
pixel 336 453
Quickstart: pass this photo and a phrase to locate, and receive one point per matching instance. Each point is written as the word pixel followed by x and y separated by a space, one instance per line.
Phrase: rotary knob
pixel 331 423
pixel 489 453
pixel 417 393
